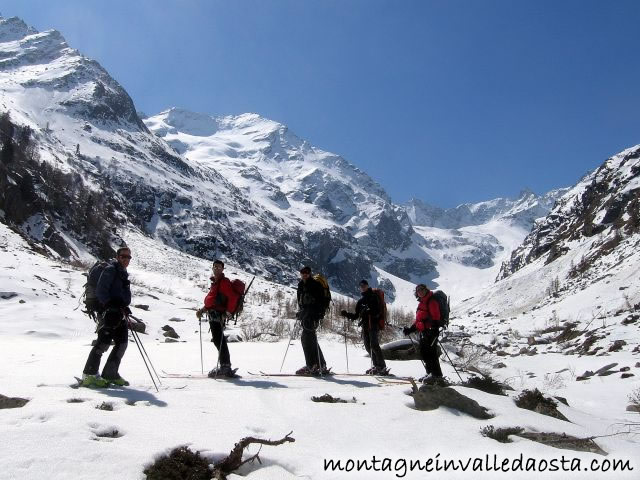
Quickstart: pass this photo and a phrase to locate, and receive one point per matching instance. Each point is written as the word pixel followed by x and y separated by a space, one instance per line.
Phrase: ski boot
pixel 93 381
pixel 223 371
pixel 305 371
pixel 321 371
pixel 432 380
pixel 118 381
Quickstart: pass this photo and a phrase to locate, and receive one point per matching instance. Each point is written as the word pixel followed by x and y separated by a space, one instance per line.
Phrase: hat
pixel 305 269
pixel 364 282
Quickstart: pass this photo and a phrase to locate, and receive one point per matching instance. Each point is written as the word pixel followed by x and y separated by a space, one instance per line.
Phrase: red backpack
pixel 384 314
pixel 236 302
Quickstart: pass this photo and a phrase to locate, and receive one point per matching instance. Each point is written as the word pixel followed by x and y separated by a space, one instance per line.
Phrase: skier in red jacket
pixel 215 304
pixel 427 323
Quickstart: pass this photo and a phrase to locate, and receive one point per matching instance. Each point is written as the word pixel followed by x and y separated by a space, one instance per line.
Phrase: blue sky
pixel 447 101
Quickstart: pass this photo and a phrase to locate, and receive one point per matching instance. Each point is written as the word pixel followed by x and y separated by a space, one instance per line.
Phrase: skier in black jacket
pixel 310 312
pixel 368 310
pixel 114 295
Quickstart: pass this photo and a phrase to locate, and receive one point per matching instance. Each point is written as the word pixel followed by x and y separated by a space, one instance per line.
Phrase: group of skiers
pixel 113 295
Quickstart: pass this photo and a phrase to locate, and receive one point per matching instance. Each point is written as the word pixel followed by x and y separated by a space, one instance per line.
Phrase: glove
pixel 409 330
pixel 199 313
pixel 127 310
pixel 344 313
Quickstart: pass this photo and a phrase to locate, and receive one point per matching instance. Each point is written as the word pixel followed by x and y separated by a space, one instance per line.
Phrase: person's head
pixel 305 273
pixel 123 255
pixel 421 290
pixel 218 268
pixel 364 285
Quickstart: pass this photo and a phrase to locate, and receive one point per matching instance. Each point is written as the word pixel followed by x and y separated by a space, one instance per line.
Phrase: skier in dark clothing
pixel 114 296
pixel 368 310
pixel 215 304
pixel 310 312
pixel 427 323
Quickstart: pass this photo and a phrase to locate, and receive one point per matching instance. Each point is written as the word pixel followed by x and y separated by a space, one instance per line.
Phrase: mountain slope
pixel 306 187
pixel 82 122
pixel 575 279
pixel 600 210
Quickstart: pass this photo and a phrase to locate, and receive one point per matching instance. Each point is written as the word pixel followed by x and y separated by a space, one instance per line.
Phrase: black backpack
pixel 443 302
pixel 91 303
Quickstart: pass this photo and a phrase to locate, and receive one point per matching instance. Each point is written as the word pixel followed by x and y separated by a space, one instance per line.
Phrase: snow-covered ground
pixel 44 344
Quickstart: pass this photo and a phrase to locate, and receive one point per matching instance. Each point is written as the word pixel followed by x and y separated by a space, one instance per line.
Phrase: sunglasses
pixel 129 257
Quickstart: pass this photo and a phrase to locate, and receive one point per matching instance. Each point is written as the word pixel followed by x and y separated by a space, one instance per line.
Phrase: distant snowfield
pixel 460 281
pixel 44 344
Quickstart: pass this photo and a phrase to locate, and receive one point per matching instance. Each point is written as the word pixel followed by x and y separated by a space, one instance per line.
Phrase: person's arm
pixel 210 299
pixel 126 291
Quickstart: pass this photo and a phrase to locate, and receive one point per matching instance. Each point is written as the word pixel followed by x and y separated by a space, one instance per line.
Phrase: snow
pixel 45 343
pixel 45 339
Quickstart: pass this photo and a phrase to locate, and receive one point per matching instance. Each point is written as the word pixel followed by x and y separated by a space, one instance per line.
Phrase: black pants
pixel 111 327
pixel 216 322
pixel 370 334
pixel 312 353
pixel 429 351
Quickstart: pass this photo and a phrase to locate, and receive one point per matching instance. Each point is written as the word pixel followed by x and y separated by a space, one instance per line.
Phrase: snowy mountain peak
pixel 176 120
pixel 46 72
pixel 13 29
pixel 303 186
pixel 522 211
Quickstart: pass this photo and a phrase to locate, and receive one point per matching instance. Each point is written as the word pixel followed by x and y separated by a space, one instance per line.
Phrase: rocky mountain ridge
pixel 604 206
pixel 522 211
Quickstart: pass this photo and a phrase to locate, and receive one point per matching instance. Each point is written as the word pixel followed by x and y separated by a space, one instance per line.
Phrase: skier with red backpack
pixel 370 309
pixel 221 299
pixel 429 317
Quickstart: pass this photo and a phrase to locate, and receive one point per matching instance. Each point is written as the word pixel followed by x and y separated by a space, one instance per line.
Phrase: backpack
pixel 384 314
pixel 91 303
pixel 327 293
pixel 236 302
pixel 443 302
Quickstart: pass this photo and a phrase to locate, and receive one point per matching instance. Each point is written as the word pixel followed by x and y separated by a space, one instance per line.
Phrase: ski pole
pixel 315 332
pixel 137 337
pixel 369 334
pixel 417 350
pixel 148 358
pixel 136 340
pixel 144 350
pixel 288 343
pixel 219 348
pixel 449 358
pixel 235 319
pixel 346 356
pixel 201 361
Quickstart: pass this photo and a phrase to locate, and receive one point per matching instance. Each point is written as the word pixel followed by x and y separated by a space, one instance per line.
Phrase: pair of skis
pixel 384 379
